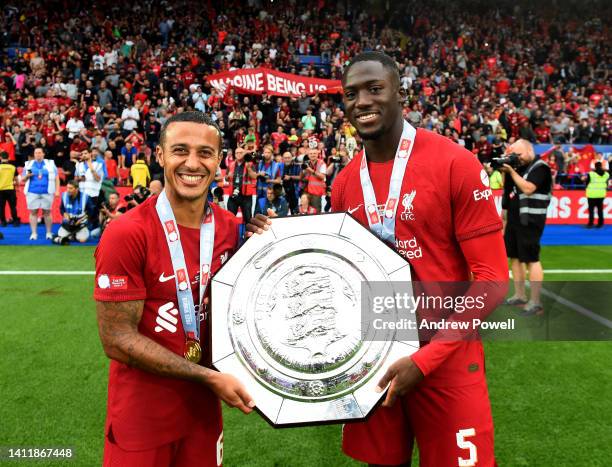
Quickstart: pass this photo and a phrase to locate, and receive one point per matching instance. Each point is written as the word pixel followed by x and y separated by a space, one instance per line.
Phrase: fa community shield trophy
pixel 286 319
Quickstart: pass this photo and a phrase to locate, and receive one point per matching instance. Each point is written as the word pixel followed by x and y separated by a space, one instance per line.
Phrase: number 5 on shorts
pixel 463 444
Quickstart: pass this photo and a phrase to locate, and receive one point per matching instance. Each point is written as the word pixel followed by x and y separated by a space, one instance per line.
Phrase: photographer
pixel 138 196
pixel 243 180
pixel 76 209
pixel 527 193
pixel 314 174
pixel 335 163
pixel 268 172
pixel 292 174
pixel 110 210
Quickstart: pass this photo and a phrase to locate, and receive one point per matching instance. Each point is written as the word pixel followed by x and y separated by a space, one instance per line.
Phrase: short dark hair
pixel 141 156
pixel 191 116
pixel 74 183
pixel 372 56
pixel 3 155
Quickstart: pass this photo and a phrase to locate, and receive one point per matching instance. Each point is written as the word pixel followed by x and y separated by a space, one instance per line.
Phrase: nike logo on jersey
pixel 163 278
pixel 351 211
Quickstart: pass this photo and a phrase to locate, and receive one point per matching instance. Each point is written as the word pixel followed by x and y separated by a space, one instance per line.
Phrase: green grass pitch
pixel 551 400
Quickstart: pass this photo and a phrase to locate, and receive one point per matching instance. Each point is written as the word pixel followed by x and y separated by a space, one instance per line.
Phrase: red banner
pixel 566 207
pixel 275 83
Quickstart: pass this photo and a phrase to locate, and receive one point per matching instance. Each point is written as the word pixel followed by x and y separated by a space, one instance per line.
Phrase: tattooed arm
pixel 118 328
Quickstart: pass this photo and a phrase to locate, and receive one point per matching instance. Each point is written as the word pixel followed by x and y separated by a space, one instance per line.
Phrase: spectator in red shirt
pixel 279 137
pixel 7 144
pixel 111 167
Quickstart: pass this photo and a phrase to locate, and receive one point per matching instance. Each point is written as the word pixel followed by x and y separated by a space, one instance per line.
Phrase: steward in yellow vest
pixel 597 185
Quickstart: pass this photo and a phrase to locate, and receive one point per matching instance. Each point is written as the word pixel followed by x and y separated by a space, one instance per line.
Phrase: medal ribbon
pixel 385 228
pixel 190 315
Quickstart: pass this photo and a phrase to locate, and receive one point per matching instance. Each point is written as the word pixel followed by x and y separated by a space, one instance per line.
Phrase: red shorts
pixel 202 447
pixel 452 426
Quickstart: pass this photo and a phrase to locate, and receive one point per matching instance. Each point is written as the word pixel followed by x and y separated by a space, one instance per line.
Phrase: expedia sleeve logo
pixel 483 194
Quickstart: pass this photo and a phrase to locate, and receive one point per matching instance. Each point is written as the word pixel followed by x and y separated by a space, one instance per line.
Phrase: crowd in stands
pixel 95 81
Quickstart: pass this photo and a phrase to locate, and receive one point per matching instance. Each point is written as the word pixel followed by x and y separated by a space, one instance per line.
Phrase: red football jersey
pixel 445 198
pixel 133 263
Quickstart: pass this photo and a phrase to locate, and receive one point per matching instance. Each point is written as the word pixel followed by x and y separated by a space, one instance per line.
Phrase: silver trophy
pixel 287 322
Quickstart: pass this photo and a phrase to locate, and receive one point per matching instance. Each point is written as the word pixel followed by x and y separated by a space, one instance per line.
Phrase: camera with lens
pixel 252 157
pixel 305 164
pixel 511 159
pixel 139 196
pixel 74 223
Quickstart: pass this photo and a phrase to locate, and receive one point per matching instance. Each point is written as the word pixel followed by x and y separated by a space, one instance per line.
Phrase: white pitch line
pixel 577 271
pixel 574 271
pixel 47 273
pixel 578 308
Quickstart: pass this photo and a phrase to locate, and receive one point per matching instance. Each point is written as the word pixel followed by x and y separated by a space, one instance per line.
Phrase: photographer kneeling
pixel 527 194
pixel 76 209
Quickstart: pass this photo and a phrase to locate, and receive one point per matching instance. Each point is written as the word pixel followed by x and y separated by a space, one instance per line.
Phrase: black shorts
pixel 523 242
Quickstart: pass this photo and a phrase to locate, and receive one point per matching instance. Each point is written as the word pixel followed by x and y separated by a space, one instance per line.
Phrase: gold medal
pixel 193 351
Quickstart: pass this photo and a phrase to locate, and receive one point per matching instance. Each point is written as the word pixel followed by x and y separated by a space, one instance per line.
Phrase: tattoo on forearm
pixel 118 328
